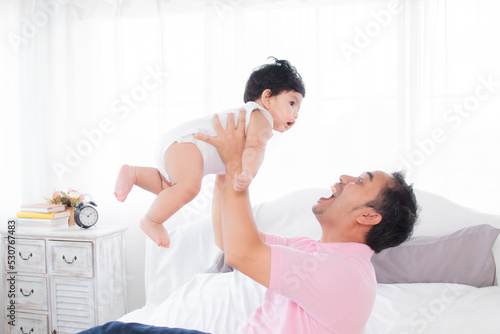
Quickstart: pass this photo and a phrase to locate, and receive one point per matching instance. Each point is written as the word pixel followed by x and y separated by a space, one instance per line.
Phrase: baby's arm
pixel 258 134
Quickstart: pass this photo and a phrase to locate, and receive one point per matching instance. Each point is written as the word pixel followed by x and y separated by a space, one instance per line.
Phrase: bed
pixel 443 280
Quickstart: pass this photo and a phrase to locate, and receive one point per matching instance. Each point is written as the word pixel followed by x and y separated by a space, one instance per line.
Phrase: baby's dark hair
pixel 278 76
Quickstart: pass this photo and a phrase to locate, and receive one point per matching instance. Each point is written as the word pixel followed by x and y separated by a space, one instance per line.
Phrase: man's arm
pixel 217 210
pixel 244 249
pixel 242 243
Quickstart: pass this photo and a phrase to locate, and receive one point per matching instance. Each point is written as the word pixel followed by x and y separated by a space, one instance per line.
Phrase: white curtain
pixel 455 101
pixel 87 85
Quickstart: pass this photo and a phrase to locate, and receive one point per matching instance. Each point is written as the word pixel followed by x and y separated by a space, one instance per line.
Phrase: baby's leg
pixel 184 165
pixel 147 178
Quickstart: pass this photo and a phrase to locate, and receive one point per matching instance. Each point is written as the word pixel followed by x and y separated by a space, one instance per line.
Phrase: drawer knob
pixel 27 258
pixel 69 262
pixel 31 330
pixel 27 294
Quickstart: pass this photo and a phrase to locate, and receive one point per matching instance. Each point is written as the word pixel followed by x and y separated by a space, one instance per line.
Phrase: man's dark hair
pixel 278 76
pixel 399 209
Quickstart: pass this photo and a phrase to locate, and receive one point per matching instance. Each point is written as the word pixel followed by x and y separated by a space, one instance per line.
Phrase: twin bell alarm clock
pixel 86 214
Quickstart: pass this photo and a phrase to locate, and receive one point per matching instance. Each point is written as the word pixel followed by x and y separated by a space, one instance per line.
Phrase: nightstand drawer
pixel 31 293
pixel 29 323
pixel 30 255
pixel 73 258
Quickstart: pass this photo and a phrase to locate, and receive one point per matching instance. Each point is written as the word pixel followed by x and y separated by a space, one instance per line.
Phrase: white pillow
pixel 192 250
pixel 291 214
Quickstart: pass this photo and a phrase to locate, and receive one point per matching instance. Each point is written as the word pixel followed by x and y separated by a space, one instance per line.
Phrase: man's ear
pixel 265 97
pixel 369 217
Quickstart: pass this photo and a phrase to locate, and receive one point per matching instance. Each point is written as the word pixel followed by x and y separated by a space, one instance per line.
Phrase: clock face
pixel 88 216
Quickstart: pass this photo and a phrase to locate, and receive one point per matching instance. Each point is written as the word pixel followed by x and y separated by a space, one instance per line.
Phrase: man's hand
pixel 230 142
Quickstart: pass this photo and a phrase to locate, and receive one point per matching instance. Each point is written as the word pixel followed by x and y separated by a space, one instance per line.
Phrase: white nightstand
pixel 64 281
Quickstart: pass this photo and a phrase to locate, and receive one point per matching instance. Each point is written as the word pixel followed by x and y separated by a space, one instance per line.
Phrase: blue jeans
pixel 116 327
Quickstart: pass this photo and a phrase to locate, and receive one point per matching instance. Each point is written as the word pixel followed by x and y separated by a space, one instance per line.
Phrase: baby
pixel 273 95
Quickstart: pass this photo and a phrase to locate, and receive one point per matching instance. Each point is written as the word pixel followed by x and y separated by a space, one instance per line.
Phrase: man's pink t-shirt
pixel 316 288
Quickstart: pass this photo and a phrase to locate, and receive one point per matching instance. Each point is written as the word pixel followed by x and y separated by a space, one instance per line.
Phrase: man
pixel 324 286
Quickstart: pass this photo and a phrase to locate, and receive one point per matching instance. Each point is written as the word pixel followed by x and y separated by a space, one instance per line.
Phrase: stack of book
pixel 43 217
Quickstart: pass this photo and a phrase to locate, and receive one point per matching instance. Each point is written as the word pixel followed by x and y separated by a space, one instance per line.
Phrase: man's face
pixel 350 195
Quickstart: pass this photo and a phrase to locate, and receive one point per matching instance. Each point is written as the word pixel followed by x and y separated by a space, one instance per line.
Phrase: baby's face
pixel 284 108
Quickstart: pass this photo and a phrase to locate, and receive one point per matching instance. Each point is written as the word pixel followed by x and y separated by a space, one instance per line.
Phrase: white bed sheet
pixel 435 308
pixel 220 303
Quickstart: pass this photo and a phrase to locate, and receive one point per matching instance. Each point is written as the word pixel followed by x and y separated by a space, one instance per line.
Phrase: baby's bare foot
pixel 124 182
pixel 156 232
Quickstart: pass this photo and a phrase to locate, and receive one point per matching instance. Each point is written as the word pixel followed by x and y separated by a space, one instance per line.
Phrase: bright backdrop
pixel 87 85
